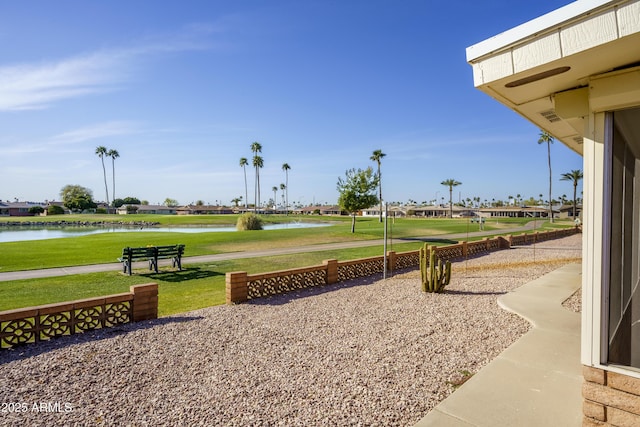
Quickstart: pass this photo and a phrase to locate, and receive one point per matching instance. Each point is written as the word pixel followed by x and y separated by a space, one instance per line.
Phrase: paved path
pixel 537 380
pixel 115 266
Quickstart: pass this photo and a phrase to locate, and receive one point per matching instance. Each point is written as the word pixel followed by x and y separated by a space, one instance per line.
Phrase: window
pixel 623 302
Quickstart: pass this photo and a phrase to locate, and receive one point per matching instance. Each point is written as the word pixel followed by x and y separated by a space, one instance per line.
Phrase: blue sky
pixel 182 88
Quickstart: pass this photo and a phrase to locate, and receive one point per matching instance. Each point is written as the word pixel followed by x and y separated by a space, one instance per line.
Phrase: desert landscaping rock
pixel 367 352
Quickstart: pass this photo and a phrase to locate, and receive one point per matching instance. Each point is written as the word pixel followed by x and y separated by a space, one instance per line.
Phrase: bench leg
pixel 153 264
pixel 177 261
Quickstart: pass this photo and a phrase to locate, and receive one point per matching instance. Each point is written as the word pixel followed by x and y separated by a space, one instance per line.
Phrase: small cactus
pixel 434 276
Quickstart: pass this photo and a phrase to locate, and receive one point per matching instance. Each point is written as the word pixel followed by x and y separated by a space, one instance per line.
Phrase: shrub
pixel 249 221
pixel 36 210
pixel 55 210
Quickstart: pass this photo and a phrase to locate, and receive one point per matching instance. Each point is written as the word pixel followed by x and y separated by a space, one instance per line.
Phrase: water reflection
pixel 25 233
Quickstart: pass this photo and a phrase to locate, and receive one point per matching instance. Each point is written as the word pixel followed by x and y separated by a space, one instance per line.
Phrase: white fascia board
pixel 544 23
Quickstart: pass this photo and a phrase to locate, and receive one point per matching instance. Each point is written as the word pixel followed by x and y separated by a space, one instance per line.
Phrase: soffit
pixel 591 44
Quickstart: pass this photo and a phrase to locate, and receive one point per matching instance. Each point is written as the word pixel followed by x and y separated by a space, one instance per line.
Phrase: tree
pixel 377 157
pixel 126 201
pixel 283 187
pixel 450 183
pixel 101 151
pixel 36 210
pixel 236 201
pixel 243 164
pixel 286 168
pixel 574 176
pixel 114 155
pixel 545 137
pixel 275 195
pixel 77 198
pixel 55 210
pixel 355 192
pixel 170 202
pixel 257 163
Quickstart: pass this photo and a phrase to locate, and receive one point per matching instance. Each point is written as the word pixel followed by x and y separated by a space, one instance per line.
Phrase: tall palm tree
pixel 546 138
pixel 573 176
pixel 286 168
pixel 257 164
pixel 275 196
pixel 450 183
pixel 377 157
pixel 283 187
pixel 243 164
pixel 101 151
pixel 114 155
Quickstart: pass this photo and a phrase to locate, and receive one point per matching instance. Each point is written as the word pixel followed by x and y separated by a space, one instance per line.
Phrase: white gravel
pixel 367 352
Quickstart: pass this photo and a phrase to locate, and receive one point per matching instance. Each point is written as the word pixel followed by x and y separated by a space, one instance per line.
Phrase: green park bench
pixel 151 254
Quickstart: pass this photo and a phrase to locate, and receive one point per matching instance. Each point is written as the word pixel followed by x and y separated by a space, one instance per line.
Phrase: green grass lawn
pixel 197 286
pixel 201 285
pixel 107 247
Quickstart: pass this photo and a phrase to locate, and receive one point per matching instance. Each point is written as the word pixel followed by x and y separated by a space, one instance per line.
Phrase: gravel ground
pixel 367 352
pixel 574 302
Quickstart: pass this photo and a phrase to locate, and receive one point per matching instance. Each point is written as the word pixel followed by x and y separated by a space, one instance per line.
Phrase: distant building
pixel 438 211
pixel 517 212
pixel 203 210
pixel 394 211
pixel 320 210
pixel 18 208
pixel 146 209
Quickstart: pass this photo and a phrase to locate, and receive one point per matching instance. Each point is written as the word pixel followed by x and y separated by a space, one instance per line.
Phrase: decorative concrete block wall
pixel 32 325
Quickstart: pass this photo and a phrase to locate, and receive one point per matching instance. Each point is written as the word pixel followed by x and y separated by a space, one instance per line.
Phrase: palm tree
pixel 101 151
pixel 243 164
pixel 257 164
pixel 283 187
pixel 377 157
pixel 450 183
pixel 275 196
pixel 236 200
pixel 286 168
pixel 573 176
pixel 545 137
pixel 114 155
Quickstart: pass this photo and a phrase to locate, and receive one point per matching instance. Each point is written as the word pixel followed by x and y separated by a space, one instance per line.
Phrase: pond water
pixel 24 233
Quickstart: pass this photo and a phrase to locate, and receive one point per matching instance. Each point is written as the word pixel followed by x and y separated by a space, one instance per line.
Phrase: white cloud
pixel 33 86
pixel 37 86
pixel 97 131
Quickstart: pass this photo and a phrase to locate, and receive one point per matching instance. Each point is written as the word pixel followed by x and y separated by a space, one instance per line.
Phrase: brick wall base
pixel 610 398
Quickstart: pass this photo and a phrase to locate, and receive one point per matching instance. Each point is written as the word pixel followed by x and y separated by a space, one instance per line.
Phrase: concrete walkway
pixel 537 380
